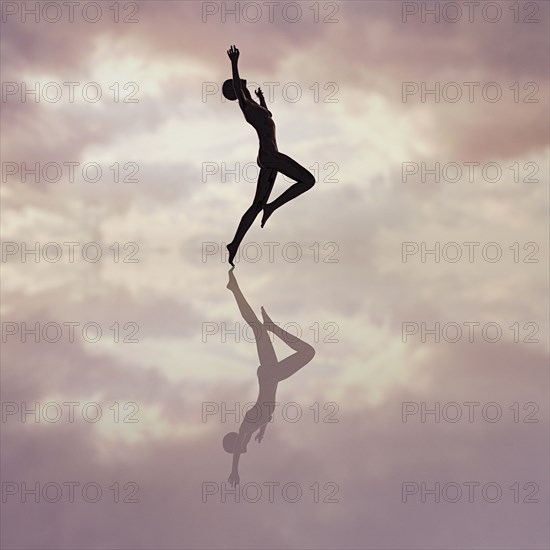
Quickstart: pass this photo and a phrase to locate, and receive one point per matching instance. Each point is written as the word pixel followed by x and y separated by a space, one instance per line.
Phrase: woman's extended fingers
pixel 233 51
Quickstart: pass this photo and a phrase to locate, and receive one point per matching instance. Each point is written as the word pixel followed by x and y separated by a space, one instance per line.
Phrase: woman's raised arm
pixel 233 54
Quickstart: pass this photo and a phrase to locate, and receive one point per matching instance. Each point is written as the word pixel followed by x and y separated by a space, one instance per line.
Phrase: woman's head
pixel 231 438
pixel 228 90
pixel 229 442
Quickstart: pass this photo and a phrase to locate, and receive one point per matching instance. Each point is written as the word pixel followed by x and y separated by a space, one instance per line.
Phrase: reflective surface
pixel 428 389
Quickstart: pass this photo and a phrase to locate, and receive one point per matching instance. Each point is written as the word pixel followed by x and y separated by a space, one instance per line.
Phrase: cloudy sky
pixel 427 132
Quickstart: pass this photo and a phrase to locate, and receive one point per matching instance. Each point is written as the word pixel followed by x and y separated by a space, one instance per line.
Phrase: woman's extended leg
pixel 293 363
pixel 290 168
pixel 266 352
pixel 266 180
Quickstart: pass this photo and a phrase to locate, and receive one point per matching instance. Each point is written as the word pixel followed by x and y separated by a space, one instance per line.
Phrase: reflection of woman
pixel 269 158
pixel 270 373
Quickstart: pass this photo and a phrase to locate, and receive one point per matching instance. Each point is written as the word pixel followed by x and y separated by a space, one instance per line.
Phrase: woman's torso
pixel 260 118
pixel 262 411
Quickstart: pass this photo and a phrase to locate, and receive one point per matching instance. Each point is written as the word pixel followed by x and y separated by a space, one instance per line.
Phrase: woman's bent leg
pixel 290 168
pixel 264 347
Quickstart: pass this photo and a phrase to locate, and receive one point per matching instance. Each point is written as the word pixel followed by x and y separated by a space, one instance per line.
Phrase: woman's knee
pixel 258 205
pixel 309 179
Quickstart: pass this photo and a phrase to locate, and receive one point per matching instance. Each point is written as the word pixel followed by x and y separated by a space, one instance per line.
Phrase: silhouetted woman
pixel 270 372
pixel 270 160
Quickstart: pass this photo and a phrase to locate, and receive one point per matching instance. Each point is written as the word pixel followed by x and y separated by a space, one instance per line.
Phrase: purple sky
pixel 340 111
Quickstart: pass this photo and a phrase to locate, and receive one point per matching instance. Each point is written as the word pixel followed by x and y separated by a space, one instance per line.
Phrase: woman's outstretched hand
pixel 259 93
pixel 234 479
pixel 233 54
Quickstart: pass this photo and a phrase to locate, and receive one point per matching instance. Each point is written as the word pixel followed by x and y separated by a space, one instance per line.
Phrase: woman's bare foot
pixel 232 283
pixel 232 249
pixel 268 323
pixel 267 213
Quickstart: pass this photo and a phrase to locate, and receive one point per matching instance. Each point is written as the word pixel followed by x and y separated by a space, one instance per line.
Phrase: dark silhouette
pixel 270 372
pixel 269 159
